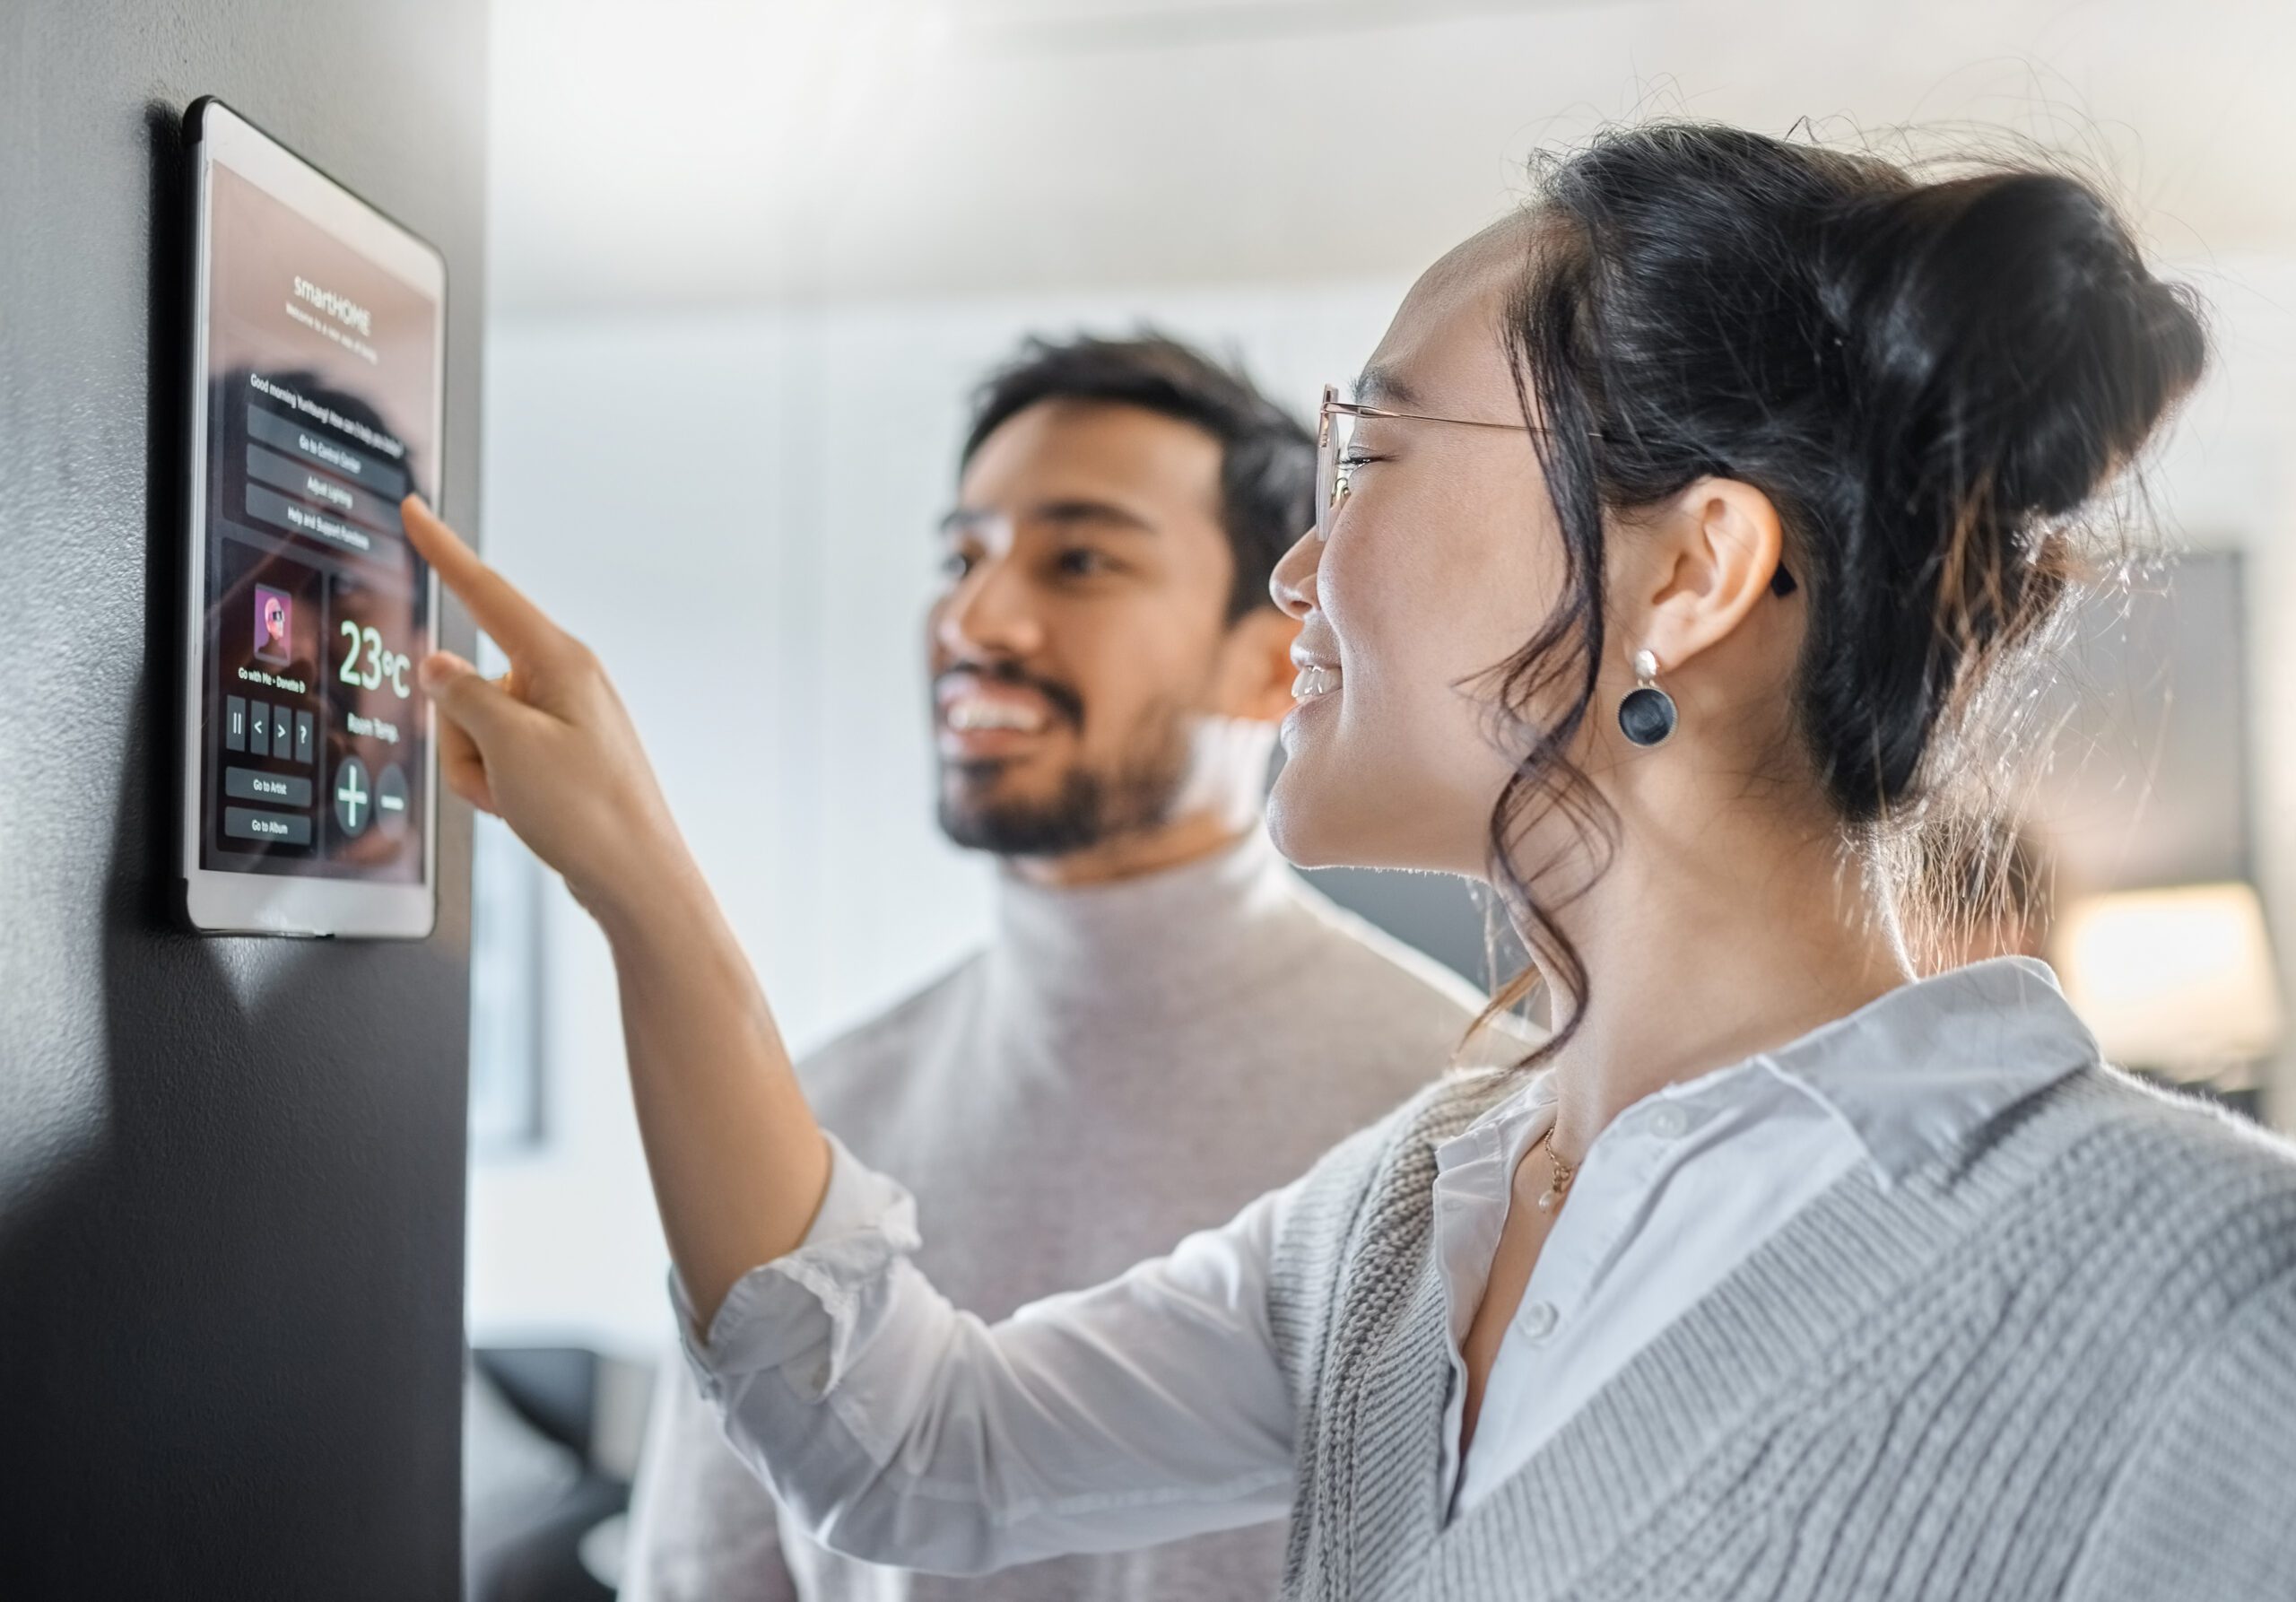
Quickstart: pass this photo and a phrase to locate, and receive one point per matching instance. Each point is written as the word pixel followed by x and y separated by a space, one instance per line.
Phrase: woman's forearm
pixel 738 1163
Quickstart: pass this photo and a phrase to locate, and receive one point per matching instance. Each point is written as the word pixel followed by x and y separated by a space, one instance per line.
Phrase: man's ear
pixel 1256 668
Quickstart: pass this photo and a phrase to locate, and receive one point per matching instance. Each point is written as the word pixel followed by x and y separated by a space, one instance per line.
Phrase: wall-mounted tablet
pixel 317 376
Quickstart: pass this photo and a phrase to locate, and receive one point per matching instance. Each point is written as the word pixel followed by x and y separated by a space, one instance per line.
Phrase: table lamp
pixel 2180 981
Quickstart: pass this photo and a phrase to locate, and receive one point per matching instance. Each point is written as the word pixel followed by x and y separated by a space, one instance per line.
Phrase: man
pixel 1167 1021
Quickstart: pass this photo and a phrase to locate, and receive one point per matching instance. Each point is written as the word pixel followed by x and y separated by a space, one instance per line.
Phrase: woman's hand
pixel 548 747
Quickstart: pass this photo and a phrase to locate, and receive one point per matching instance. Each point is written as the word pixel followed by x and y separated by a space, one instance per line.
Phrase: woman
pixel 1674 545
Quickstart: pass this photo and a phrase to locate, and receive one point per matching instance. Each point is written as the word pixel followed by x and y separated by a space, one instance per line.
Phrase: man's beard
pixel 1088 808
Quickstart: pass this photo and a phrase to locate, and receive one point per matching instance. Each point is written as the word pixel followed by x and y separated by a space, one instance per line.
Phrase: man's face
pixel 1082 632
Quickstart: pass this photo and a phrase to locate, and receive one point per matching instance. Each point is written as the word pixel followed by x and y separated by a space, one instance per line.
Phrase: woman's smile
pixel 1315 680
pixel 1317 662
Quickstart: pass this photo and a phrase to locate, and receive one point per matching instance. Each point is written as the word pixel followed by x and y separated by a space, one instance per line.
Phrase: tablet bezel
pixel 215 901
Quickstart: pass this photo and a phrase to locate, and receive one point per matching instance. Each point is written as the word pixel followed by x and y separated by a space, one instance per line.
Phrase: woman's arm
pixel 738 1163
pixel 892 1426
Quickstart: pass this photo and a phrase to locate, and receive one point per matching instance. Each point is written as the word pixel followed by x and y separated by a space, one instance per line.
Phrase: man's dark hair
pixel 1267 461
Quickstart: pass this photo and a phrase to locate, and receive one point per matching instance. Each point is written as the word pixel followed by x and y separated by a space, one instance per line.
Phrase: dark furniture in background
pixel 535 1501
pixel 232 1171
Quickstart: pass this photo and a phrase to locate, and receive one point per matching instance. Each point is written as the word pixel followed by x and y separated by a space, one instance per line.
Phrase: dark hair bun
pixel 1924 377
pixel 2007 325
pixel 2004 351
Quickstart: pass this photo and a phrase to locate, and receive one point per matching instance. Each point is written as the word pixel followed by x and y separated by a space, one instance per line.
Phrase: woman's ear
pixel 1257 669
pixel 1712 556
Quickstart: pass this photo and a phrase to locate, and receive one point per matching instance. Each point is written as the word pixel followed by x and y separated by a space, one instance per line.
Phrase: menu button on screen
pixel 271 828
pixel 278 789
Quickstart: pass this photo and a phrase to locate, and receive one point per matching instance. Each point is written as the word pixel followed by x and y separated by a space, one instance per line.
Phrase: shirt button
pixel 1538 1320
pixel 1668 1122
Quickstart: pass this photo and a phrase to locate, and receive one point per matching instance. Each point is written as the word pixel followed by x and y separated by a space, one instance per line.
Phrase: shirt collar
pixel 1912 1073
pixel 1915 1072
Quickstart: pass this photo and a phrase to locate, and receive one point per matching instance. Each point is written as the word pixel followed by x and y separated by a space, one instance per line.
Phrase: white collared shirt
pixel 1155 1406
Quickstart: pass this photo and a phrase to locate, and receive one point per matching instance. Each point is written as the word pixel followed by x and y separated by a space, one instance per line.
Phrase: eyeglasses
pixel 1335 428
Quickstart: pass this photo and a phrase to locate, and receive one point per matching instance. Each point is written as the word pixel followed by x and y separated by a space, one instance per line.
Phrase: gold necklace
pixel 1559 1174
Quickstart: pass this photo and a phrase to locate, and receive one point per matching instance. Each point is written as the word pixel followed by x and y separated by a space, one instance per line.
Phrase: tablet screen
pixel 322 375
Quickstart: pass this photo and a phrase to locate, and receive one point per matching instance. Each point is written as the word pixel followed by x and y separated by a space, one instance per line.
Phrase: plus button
pixel 351 797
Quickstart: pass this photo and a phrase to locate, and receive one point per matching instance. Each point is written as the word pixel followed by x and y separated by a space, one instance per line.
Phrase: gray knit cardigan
pixel 2059 1361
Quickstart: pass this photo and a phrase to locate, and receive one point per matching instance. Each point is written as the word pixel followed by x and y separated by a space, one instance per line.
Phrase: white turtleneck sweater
pixel 1123 1065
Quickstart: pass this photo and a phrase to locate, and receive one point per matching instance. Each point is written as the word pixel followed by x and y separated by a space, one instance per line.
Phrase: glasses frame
pixel 1331 477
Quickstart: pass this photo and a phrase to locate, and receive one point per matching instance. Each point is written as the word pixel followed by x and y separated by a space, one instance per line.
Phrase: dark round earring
pixel 1647 714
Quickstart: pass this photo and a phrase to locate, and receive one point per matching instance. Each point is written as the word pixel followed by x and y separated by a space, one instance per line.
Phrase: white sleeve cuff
pixel 808 1315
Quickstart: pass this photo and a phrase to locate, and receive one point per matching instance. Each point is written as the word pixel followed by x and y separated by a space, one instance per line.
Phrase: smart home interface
pixel 322 398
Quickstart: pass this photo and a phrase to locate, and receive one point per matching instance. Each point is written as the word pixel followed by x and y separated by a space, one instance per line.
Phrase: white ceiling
pixel 714 152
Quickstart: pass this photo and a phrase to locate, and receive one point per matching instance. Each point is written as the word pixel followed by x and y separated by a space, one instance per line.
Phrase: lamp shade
pixel 2177 979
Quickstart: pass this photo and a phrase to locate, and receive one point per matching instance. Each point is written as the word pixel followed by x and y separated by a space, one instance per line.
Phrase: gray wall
pixel 230 1170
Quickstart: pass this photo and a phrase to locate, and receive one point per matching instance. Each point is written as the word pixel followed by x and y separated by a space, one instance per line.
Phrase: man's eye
pixel 956 564
pixel 1357 458
pixel 1083 562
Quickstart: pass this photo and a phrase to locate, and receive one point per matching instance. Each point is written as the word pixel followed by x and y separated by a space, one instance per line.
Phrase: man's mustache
pixel 1065 702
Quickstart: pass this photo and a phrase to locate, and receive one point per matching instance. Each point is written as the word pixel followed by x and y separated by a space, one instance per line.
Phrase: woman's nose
pixel 1292 585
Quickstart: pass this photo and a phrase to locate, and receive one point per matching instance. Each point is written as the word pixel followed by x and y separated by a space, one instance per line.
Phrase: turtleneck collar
pixel 1149 941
